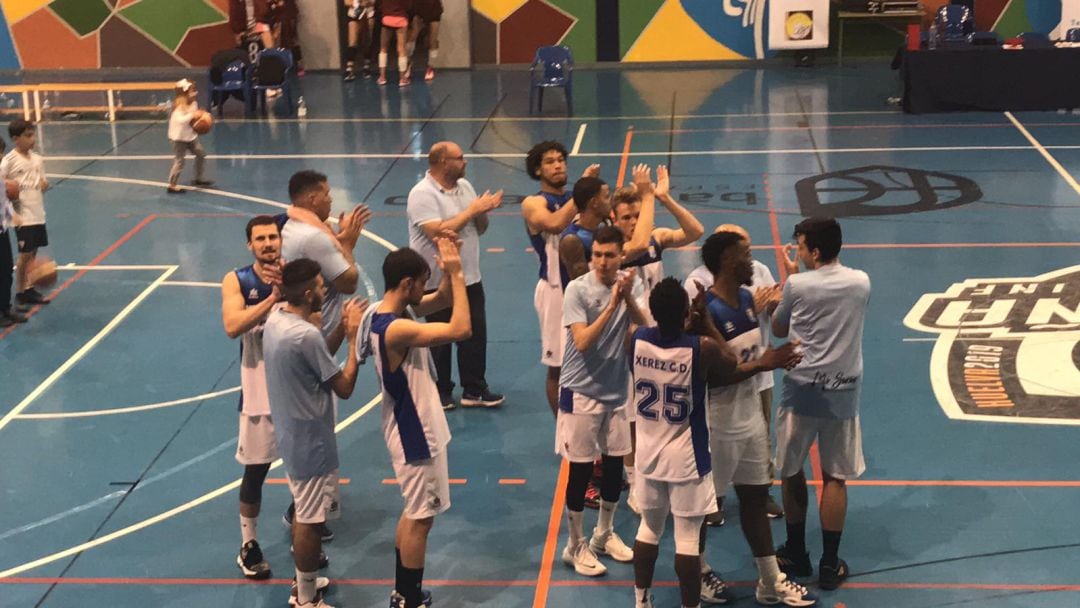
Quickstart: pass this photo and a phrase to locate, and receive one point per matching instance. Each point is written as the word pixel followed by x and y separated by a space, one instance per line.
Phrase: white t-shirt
pixel 430 202
pixel 180 123
pixel 300 240
pixel 29 171
pixel 825 309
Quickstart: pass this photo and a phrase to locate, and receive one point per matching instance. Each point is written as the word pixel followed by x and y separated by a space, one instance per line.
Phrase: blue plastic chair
pixel 229 76
pixel 954 23
pixel 553 66
pixel 272 70
pixel 1073 35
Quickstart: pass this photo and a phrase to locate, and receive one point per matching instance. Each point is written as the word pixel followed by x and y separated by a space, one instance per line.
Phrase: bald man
pixel 444 201
pixel 765 290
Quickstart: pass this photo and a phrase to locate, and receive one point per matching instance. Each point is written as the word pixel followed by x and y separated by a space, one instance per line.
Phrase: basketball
pixel 202 123
pixel 12 187
pixel 42 272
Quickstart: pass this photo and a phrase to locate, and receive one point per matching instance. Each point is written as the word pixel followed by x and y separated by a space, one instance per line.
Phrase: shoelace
pixel 714 582
pixel 790 584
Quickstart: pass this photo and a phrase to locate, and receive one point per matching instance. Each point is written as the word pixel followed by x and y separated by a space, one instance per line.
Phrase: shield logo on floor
pixel 883 190
pixel 1008 350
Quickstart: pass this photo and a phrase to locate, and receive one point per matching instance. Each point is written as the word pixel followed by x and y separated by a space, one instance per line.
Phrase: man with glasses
pixel 445 202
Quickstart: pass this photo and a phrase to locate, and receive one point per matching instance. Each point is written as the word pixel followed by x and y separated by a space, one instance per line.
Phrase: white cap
pixel 184 85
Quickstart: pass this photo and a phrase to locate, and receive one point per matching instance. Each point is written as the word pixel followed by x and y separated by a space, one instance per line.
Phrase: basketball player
pixel 248 295
pixel 670 370
pixel 598 310
pixel 825 308
pixel 414 423
pixel 738 432
pixel 635 217
pixel 301 378
pixel 547 213
pixel 766 294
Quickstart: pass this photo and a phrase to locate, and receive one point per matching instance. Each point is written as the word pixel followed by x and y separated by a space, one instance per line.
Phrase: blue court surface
pixel 118 402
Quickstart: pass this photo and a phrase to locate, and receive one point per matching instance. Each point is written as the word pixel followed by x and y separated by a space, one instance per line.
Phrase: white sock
pixel 767 569
pixel 433 54
pixel 382 60
pixel 607 518
pixel 641 594
pixel 247 528
pixel 403 66
pixel 577 527
pixel 305 586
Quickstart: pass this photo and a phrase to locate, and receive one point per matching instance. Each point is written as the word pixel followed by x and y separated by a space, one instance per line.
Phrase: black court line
pixel 487 122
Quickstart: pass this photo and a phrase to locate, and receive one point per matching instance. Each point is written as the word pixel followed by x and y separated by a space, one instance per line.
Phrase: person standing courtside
pixel 825 308
pixel 8 220
pixel 444 201
pixel 301 379
pixel 547 213
pixel 248 295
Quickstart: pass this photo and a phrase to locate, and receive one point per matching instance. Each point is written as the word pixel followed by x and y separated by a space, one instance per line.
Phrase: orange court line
pixel 625 157
pixel 495 250
pixel 453 482
pixel 280 481
pixel 558 503
pixel 511 482
pixel 80 274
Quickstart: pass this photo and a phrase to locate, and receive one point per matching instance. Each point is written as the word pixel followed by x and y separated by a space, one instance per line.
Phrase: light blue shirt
pixel 300 240
pixel 602 372
pixel 825 309
pixel 430 202
pixel 298 370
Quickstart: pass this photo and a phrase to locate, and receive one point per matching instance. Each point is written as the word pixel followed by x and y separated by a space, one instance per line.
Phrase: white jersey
pixel 253 395
pixel 735 410
pixel 29 171
pixel 413 421
pixel 672 431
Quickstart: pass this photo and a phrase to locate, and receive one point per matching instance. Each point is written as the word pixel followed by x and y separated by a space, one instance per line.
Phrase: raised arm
pixel 539 219
pixel 689 230
pixel 639 241
pixel 235 315
pixel 405 333
pixel 344 383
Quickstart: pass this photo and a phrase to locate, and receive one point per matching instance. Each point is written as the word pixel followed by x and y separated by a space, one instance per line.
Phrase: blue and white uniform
pixel 255 444
pixel 672 460
pixel 737 428
pixel 414 424
pixel 548 296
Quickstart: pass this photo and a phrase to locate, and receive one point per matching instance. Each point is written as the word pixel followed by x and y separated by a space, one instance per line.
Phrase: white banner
pixel 799 24
pixel 1070 18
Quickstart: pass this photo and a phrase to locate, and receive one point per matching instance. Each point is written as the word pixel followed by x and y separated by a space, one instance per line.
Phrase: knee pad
pixel 687 533
pixel 252 482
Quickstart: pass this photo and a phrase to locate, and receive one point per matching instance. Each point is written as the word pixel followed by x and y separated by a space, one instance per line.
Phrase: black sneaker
pixel 30 297
pixel 832 576
pixel 325 533
pixel 287 516
pixel 9 317
pixel 484 399
pixel 251 562
pixel 791 564
pixel 716 519
pixel 202 183
pixel 321 585
pixel 349 76
pixel 773 508
pixel 448 402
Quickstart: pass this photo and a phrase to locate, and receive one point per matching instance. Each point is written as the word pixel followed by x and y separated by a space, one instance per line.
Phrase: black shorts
pixel 428 10
pixel 31 238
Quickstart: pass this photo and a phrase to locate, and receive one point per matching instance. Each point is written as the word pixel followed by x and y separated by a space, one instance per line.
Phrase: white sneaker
pixel 714 590
pixel 612 546
pixel 645 603
pixel 321 584
pixel 785 591
pixel 583 560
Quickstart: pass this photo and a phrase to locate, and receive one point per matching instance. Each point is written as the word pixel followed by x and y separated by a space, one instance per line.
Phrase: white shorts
pixel 585 437
pixel 317 499
pixel 256 443
pixel 691 498
pixel 548 300
pixel 631 402
pixel 744 462
pixel 425 486
pixel 839 443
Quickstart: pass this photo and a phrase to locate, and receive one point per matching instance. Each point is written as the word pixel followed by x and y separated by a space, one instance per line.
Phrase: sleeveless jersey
pixel 546 245
pixel 413 421
pixel 672 429
pixel 586 237
pixel 253 396
pixel 737 406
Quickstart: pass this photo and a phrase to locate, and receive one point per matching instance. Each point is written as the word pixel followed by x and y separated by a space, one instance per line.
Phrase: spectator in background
pixel 429 13
pixel 286 16
pixel 8 220
pixel 395 22
pixel 360 15
pixel 249 20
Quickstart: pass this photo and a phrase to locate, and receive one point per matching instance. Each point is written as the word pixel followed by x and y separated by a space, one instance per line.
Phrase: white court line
pixel 128 410
pixel 1069 179
pixel 74 266
pixel 225 489
pixel 191 284
pixel 519 155
pixel 580 136
pixel 920 339
pixel 86 348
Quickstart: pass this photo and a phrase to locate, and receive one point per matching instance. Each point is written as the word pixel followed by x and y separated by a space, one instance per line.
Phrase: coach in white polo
pixel 444 201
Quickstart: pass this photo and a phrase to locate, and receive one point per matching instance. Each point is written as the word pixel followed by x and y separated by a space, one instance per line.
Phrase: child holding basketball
pixel 26 167
pixel 183 136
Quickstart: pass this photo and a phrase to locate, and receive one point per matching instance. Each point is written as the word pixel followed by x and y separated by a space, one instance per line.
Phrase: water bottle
pixel 301 108
pixel 932 42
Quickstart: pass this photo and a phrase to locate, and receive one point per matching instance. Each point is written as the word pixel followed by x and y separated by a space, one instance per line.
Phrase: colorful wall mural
pixel 51 34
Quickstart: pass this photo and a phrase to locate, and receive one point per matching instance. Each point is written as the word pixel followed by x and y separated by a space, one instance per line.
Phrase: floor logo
pixel 1008 350
pixel 883 190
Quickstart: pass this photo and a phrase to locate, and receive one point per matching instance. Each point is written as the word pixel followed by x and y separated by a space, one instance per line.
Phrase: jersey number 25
pixel 676 406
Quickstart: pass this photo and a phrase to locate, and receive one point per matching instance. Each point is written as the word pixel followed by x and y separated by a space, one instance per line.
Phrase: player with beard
pixel 547 213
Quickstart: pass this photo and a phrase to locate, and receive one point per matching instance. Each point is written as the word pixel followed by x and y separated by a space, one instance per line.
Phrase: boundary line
pixel 551 541
pixel 580 136
pixel 1069 179
pixel 128 410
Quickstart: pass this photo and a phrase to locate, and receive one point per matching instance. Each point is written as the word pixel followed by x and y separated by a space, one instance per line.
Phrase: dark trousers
pixel 6 264
pixel 471 353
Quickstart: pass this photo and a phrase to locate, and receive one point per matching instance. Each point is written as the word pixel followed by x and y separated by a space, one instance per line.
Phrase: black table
pixel 990 79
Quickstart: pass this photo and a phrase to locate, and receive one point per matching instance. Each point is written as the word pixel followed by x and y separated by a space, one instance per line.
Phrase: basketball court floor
pixel 118 400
